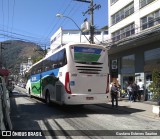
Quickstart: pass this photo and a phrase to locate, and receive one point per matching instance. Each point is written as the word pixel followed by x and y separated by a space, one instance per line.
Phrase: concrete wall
pixel 67 36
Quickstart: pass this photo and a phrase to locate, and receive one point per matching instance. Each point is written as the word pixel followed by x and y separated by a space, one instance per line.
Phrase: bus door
pixel 36 84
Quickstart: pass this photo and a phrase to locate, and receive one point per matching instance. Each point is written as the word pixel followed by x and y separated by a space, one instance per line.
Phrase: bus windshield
pixel 86 55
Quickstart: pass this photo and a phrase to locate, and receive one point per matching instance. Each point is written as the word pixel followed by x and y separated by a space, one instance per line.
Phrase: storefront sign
pixel 114 68
pixel 114 64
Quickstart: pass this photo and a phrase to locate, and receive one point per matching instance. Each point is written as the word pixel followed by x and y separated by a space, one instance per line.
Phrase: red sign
pixel 4 72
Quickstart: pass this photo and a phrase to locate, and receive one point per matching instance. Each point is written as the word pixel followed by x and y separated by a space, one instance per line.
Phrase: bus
pixel 74 74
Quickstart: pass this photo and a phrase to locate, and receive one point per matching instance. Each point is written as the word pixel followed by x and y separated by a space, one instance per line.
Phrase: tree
pixel 155 85
pixel 37 59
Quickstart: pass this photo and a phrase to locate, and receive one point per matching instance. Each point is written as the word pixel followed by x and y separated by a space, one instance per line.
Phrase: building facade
pixel 61 37
pixel 25 66
pixel 134 40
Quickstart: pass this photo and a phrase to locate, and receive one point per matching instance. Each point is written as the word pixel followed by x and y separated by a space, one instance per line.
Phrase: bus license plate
pixel 89 98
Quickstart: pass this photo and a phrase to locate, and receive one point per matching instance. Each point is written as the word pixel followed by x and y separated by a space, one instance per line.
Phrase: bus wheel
pixel 47 98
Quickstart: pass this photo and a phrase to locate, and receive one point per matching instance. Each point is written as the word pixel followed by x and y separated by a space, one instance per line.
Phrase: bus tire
pixel 47 98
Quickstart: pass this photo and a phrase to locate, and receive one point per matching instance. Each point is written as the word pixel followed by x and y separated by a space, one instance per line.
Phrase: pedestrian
pixel 135 91
pixel 130 92
pixel 119 90
pixel 140 90
pixel 114 94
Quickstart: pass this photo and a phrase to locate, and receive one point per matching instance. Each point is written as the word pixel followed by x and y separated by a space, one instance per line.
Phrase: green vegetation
pixel 37 59
pixel 17 52
pixel 155 85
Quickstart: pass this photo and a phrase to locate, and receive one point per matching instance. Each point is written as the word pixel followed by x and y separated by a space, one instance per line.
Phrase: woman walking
pixel 130 92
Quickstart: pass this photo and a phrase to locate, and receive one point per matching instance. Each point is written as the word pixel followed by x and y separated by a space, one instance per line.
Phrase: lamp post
pixel 61 16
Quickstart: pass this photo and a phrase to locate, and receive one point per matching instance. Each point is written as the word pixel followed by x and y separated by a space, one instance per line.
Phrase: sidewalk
pixel 143 108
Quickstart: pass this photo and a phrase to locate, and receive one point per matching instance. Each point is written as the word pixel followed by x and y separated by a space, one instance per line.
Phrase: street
pixel 33 114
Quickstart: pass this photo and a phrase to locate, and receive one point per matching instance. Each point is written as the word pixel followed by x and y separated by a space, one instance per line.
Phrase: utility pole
pixel 91 12
pixel 92 23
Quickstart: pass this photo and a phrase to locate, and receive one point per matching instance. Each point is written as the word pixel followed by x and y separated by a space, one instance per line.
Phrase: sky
pixel 36 21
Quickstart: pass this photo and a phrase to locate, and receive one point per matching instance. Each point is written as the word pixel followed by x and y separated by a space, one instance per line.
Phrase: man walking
pixel 135 90
pixel 114 94
pixel 140 90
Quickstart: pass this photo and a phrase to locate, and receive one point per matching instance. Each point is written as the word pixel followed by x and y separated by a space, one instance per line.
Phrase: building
pixel 134 39
pixel 62 37
pixel 25 66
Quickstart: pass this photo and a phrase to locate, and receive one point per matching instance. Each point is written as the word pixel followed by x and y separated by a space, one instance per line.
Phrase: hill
pixel 16 52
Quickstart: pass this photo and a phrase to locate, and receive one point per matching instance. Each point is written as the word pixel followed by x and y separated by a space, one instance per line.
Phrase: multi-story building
pixel 25 66
pixel 61 37
pixel 134 32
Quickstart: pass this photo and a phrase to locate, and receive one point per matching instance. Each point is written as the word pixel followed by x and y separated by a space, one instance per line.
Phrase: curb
pixel 135 114
pixel 145 102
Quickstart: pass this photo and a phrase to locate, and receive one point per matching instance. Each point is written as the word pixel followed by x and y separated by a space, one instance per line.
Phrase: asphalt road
pixel 89 121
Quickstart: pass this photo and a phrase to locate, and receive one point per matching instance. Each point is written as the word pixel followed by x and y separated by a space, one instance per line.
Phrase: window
pixel 123 13
pixel 56 61
pixel 150 20
pixel 124 32
pixel 143 3
pixel 152 56
pixel 128 64
pixel 37 68
pixel 106 32
pixel 128 61
pixel 157 17
pixel 97 32
pixel 86 33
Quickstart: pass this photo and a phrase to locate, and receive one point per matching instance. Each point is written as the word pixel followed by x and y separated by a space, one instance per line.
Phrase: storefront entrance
pixel 148 81
pixel 127 79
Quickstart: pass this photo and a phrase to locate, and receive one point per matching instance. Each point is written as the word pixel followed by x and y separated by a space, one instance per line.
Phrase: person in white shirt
pixel 140 89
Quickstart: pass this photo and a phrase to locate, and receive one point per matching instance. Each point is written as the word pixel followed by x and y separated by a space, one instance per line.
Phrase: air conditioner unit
pixel 85 26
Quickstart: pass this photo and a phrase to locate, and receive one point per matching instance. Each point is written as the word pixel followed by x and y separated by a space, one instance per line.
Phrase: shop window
pixel 152 56
pixel 128 64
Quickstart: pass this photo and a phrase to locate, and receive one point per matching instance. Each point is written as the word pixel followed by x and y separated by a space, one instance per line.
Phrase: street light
pixel 61 16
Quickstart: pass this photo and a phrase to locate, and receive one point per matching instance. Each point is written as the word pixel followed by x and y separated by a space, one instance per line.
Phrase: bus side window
pixel 39 71
pixel 46 68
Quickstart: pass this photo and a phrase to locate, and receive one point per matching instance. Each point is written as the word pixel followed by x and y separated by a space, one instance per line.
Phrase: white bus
pixel 73 74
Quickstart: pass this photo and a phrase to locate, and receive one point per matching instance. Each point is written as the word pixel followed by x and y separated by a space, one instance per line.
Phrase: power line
pixel 19 30
pixel 64 20
pixel 21 39
pixel 8 15
pixel 19 34
pixel 91 12
pixel 56 23
pixel 2 14
pixel 13 15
